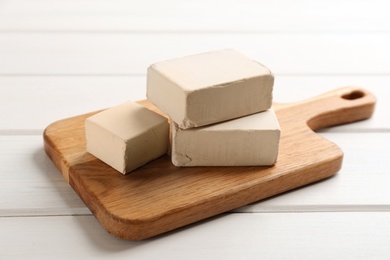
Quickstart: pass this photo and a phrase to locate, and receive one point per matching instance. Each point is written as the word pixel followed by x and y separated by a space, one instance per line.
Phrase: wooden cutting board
pixel 160 197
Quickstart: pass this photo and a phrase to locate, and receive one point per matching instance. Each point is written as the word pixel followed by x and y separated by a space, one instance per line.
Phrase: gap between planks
pixel 242 210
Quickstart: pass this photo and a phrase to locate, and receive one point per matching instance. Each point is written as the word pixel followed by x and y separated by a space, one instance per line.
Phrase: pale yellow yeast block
pixel 127 136
pixel 246 141
pixel 210 87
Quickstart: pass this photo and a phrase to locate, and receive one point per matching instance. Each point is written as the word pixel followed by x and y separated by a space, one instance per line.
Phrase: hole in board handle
pixel 353 95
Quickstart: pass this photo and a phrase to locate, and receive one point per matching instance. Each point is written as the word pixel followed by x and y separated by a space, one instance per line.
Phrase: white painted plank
pixel 229 236
pixel 210 15
pixel 32 186
pixel 36 102
pixel 48 99
pixel 361 184
pixel 30 183
pixel 125 54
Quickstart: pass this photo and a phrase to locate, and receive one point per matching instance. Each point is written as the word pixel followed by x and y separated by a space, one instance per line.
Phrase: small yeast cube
pixel 210 87
pixel 246 141
pixel 127 136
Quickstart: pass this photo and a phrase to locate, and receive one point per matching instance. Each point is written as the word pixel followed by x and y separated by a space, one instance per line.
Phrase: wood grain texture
pixel 160 197
pixel 38 191
pixel 360 186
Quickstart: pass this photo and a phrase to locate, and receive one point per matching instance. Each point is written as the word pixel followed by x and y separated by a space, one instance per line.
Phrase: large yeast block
pixel 208 88
pixel 246 141
pixel 127 136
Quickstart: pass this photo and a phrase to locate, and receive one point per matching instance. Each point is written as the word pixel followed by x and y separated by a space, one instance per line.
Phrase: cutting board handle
pixel 178 196
pixel 340 106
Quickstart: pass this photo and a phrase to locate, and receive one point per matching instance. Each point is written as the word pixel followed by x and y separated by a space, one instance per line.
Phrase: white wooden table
pixel 64 58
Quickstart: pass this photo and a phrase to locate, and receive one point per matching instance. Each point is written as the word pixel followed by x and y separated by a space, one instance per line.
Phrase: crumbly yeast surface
pixel 127 136
pixel 208 88
pixel 248 141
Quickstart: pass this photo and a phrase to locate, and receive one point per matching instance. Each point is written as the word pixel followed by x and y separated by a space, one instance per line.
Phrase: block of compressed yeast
pixel 210 87
pixel 127 136
pixel 246 141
